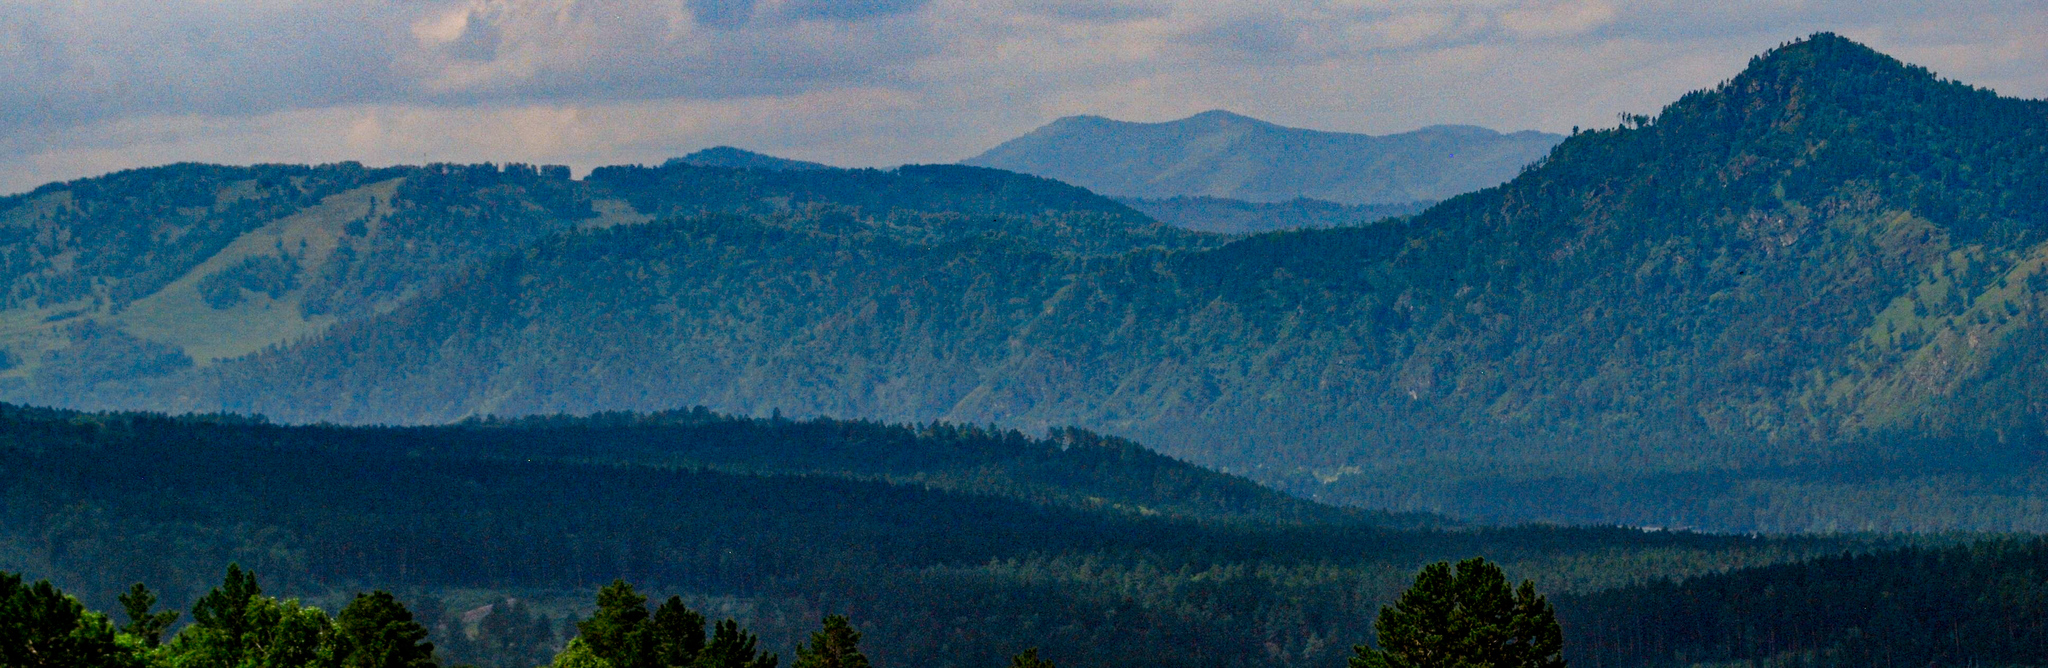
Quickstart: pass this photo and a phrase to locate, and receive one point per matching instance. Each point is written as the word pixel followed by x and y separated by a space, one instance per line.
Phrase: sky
pixel 88 87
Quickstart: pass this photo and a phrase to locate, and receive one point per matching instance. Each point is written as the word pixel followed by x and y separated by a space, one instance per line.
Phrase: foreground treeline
pixel 236 625
pixel 1470 616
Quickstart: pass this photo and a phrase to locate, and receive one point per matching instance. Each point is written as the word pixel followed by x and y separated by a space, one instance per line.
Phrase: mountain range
pixel 1226 155
pixel 1807 299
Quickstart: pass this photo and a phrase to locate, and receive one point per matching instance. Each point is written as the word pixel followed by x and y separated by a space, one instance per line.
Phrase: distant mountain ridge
pixel 737 158
pixel 1222 154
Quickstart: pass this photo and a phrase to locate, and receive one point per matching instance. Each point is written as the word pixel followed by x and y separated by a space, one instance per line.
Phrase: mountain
pixel 1807 299
pixel 1221 154
pixel 1230 216
pixel 1767 309
pixel 734 158
pixel 235 259
pixel 954 557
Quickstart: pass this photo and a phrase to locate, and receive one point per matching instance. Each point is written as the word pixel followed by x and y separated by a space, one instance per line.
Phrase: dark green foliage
pixel 937 578
pixel 1228 216
pixel 376 631
pixel 1978 605
pixel 103 365
pixel 511 635
pixel 1469 618
pixel 679 632
pixel 224 615
pixel 271 275
pixel 192 210
pixel 734 158
pixel 619 632
pixel 921 204
pixel 143 621
pixel 837 646
pixel 40 627
pixel 732 647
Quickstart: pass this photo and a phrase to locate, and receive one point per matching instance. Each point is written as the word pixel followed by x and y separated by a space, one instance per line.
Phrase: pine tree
pixel 376 631
pixel 837 646
pixel 732 647
pixel 1467 619
pixel 221 624
pixel 618 632
pixel 143 623
pixel 678 633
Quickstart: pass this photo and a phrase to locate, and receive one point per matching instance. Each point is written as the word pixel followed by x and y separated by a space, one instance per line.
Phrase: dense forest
pixel 953 545
pixel 948 545
pixel 1229 216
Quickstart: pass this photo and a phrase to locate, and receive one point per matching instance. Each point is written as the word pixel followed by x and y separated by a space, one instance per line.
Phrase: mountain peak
pixel 1222 117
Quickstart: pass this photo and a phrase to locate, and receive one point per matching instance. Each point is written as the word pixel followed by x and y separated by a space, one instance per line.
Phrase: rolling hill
pixel 1221 154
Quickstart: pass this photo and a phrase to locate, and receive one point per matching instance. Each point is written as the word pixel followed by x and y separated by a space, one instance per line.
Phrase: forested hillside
pixel 1805 299
pixel 1229 216
pixel 1221 154
pixel 119 283
pixel 951 546
pixel 1977 605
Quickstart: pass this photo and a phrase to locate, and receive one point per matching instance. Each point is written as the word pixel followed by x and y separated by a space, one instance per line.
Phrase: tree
pixel 236 626
pixel 376 631
pixel 618 632
pixel 1467 619
pixel 40 626
pixel 220 621
pixel 838 646
pixel 144 624
pixel 1029 659
pixel 732 647
pixel 678 633
pixel 622 634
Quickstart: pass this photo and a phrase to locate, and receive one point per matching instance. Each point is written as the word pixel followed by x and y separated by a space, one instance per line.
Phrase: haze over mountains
pixel 1785 303
pixel 1221 154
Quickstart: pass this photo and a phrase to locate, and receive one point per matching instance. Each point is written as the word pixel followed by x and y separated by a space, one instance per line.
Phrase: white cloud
pixel 91 87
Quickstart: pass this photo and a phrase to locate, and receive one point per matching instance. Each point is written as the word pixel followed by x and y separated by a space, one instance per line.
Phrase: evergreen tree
pixel 220 621
pixel 376 631
pixel 619 632
pixel 142 622
pixel 678 633
pixel 837 646
pixel 41 627
pixel 1467 619
pixel 733 647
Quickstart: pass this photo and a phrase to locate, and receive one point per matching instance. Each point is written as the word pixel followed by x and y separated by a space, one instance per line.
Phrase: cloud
pixel 91 87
